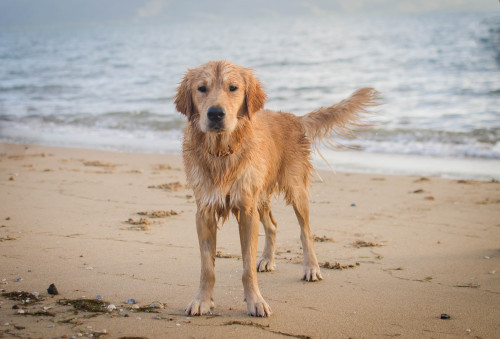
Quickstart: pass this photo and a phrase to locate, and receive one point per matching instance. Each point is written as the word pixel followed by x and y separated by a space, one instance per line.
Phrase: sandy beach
pixel 106 227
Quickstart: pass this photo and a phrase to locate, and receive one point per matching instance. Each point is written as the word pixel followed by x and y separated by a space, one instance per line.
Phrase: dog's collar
pixel 222 154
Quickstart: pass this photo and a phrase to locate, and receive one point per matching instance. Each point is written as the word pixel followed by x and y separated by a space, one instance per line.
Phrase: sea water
pixel 112 86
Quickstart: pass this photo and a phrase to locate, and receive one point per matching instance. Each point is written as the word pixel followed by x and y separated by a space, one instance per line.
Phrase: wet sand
pixel 397 251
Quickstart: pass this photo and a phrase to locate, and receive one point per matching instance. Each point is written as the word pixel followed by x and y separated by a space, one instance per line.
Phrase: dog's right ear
pixel 183 98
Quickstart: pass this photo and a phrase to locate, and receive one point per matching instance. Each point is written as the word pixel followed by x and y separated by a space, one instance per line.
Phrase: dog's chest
pixel 223 189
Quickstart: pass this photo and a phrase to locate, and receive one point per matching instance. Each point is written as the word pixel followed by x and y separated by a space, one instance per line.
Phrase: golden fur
pixel 239 156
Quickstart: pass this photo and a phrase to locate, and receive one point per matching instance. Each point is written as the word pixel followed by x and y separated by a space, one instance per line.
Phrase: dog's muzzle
pixel 215 115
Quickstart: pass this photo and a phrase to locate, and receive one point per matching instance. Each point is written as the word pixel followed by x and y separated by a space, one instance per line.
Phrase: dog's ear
pixel 183 97
pixel 255 97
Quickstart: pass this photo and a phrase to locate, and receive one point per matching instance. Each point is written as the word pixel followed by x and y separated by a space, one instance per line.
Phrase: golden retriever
pixel 237 155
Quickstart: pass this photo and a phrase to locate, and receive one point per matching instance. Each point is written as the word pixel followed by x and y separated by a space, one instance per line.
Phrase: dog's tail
pixel 342 119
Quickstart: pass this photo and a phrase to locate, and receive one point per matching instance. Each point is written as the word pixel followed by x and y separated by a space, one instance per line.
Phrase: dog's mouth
pixel 216 127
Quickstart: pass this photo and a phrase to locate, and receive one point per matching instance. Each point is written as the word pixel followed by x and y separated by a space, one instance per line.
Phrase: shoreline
pixel 481 169
pixel 426 246
pixel 364 162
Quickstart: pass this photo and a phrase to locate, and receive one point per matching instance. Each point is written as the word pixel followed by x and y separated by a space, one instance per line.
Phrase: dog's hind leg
pixel 301 208
pixel 206 225
pixel 266 261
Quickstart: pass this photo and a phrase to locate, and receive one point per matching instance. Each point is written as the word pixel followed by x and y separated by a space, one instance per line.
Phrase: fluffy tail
pixel 341 119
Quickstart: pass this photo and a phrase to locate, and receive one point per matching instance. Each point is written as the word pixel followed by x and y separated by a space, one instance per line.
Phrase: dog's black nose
pixel 215 113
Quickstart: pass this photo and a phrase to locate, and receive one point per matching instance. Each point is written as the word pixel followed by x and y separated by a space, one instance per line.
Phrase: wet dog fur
pixel 237 155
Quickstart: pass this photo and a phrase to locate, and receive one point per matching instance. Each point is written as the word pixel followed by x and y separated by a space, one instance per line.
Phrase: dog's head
pixel 217 94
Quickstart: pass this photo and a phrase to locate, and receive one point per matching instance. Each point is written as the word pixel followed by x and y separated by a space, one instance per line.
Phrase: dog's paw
pixel 199 307
pixel 265 265
pixel 312 273
pixel 258 308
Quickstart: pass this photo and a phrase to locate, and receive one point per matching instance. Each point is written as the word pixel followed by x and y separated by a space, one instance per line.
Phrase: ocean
pixel 112 86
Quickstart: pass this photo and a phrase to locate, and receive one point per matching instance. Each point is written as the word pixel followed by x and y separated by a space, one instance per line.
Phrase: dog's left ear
pixel 255 97
pixel 183 98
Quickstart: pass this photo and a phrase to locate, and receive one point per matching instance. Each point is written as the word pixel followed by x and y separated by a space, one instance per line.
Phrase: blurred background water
pixel 111 86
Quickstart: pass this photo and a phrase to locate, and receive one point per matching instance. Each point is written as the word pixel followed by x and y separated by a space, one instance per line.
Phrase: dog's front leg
pixel 249 231
pixel 206 226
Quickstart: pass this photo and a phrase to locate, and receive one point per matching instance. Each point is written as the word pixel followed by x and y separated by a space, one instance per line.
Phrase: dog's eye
pixel 232 88
pixel 202 89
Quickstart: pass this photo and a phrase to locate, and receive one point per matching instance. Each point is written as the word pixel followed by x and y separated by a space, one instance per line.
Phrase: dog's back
pixel 286 149
pixel 287 139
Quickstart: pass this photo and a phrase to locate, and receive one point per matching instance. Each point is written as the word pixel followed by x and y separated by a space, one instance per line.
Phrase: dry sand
pixel 425 247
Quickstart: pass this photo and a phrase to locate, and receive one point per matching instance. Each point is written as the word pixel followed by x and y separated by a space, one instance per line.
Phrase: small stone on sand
pixel 52 290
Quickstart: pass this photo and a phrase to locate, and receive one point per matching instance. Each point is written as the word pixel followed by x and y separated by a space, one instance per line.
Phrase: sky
pixel 22 13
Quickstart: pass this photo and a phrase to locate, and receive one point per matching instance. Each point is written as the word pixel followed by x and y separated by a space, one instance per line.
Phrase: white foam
pixel 447 167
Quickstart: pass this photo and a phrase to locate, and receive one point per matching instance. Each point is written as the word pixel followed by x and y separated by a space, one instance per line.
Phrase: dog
pixel 238 155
